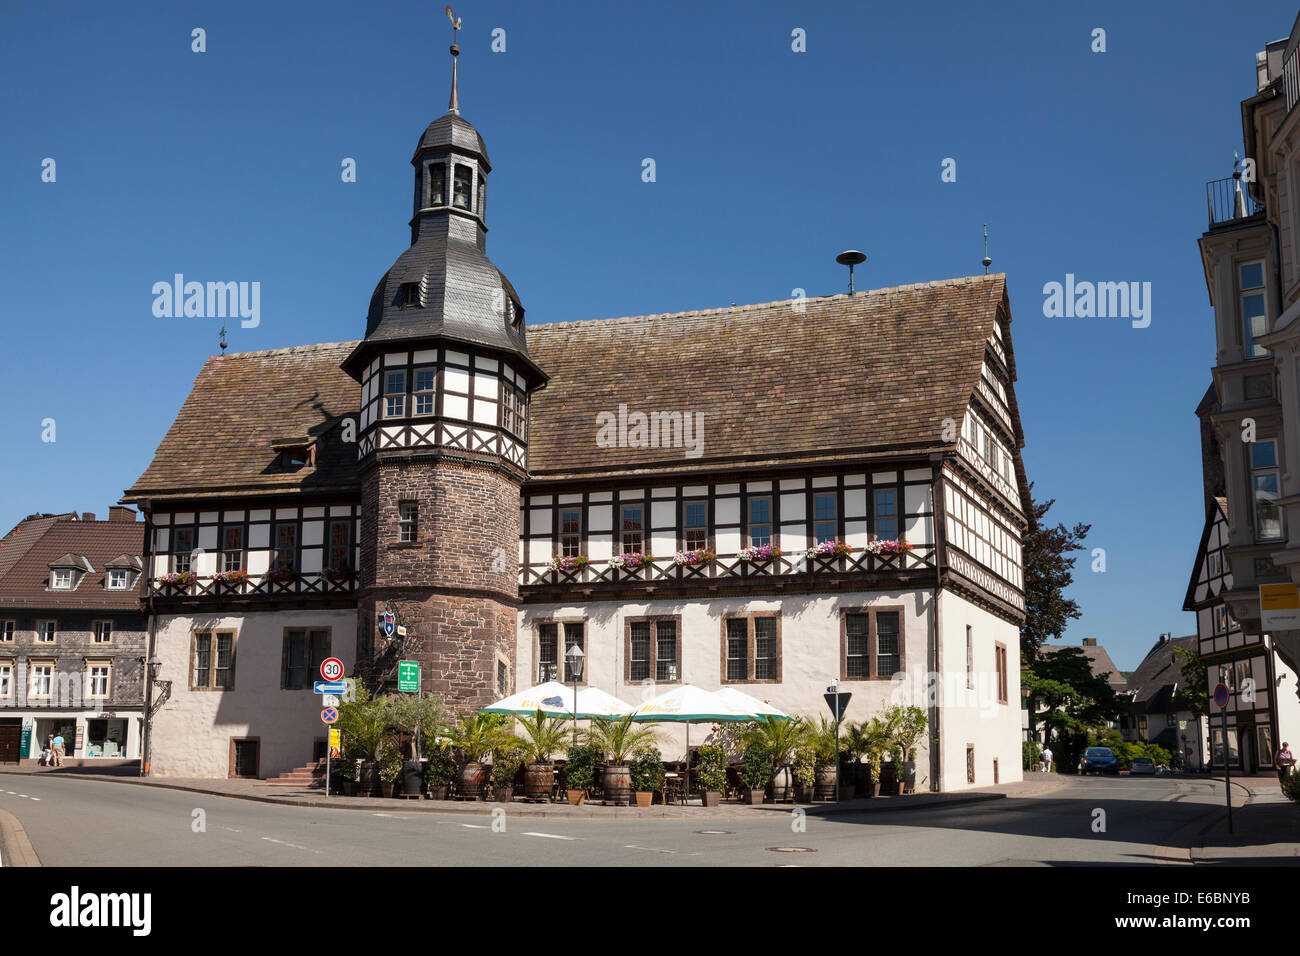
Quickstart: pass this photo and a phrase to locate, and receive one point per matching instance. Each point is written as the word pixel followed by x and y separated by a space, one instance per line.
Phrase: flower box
pixel 695 558
pixel 179 579
pixel 339 574
pixel 231 578
pixel 563 564
pixel 889 546
pixel 281 575
pixel 631 561
pixel 830 549
pixel 760 552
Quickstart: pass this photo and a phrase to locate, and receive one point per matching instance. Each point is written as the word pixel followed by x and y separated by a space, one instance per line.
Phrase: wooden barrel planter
pixel 782 784
pixel 824 783
pixel 368 778
pixel 618 785
pixel 470 783
pixel 539 780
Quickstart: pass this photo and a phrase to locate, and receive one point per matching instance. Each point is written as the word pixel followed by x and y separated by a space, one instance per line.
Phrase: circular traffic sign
pixel 1221 695
pixel 329 715
pixel 331 668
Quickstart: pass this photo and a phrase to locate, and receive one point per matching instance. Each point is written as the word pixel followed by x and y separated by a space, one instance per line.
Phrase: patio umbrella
pixel 751 705
pixel 688 705
pixel 556 700
pixel 594 702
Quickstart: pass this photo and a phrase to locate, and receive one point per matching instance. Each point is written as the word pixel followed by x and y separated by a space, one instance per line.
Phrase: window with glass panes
pixel 232 548
pixel 570 532
pixel 103 631
pixel 394 404
pixel 825 526
pixel 304 650
pixel 1265 480
pixel 765 649
pixel 40 679
pixel 632 528
pixel 98 679
pixel 652 650
pixel 423 389
pixel 547 661
pixel 695 520
pixel 340 545
pixel 737 649
pixel 46 632
pixel 574 635
pixel 857 646
pixel 213 664
pixel 117 579
pixel 182 548
pixel 760 521
pixel 638 654
pixel 408 521
pixel 1254 316
pixel 872 644
pixel 6 680
pixel 502 683
pixel 886 513
pixel 7 631
pixel 286 546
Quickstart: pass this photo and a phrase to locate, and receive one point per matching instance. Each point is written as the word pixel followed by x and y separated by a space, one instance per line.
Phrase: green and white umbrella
pixel 751 705
pixel 556 700
pixel 688 705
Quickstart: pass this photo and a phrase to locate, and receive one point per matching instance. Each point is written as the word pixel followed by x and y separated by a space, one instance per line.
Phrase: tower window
pixel 394 394
pixel 437 184
pixel 462 192
pixel 408 521
pixel 410 295
pixel 423 391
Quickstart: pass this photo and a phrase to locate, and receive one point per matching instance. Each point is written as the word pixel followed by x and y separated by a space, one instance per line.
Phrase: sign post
pixel 408 676
pixel 331 669
pixel 1221 698
pixel 837 703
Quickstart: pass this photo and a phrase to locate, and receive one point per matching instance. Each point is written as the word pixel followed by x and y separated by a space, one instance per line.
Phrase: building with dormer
pixel 774 496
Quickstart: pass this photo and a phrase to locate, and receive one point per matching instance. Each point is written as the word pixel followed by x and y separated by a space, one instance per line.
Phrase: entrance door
pixel 10 737
pixel 244 757
pixel 1247 746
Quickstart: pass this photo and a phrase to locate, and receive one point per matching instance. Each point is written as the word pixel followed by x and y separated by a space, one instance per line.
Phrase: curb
pixel 18 849
pixel 380 804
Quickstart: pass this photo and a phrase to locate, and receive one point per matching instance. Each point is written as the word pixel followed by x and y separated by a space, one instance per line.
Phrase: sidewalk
pixel 255 790
pixel 1265 828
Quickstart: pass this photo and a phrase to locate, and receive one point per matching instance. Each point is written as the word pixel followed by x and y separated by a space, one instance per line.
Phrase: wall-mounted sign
pixel 1279 607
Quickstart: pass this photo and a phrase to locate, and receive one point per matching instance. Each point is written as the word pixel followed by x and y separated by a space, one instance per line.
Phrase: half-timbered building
pixel 776 496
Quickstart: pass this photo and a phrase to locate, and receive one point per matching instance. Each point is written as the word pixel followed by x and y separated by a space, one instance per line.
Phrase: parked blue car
pixel 1099 760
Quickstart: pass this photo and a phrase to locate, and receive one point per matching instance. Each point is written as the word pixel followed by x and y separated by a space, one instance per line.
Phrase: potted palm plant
pixel 872 741
pixel 711 773
pixel 821 736
pixel 647 775
pixel 580 772
pixel 365 726
pixel 907 725
pixel 756 771
pixel 617 739
pixel 543 736
pixel 779 738
pixel 472 739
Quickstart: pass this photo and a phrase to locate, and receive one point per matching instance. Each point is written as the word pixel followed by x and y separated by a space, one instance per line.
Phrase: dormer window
pixel 410 295
pixel 463 191
pixel 295 453
pixel 437 173
pixel 117 579
pixel 66 572
pixel 61 579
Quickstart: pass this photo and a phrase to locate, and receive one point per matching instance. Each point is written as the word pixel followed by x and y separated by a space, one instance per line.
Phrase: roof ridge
pixel 315 347
pixel 755 306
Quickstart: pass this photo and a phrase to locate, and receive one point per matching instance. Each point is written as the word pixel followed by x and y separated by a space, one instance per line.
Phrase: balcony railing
pixel 259 586
pixel 1228 199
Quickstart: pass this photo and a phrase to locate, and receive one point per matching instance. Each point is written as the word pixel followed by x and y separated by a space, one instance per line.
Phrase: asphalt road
pixel 78 822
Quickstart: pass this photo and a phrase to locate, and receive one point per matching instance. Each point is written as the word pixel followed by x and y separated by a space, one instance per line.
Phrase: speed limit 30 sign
pixel 331 668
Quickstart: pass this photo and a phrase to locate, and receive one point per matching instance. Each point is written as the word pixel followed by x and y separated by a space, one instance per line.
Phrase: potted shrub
pixel 647 775
pixel 711 773
pixel 617 739
pixel 756 771
pixel 365 726
pixel 543 736
pixel 907 724
pixel 821 736
pixel 438 771
pixel 580 772
pixel 473 739
pixel 803 769
pixel 779 738
pixel 390 769
pixel 873 744
pixel 506 762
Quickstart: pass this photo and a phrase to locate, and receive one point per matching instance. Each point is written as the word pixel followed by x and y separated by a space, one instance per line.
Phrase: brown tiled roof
pixel 24 534
pixel 873 373
pixel 221 439
pixel 24 583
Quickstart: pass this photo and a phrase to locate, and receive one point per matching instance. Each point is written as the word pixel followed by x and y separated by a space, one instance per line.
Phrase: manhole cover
pixel 715 832
pixel 791 849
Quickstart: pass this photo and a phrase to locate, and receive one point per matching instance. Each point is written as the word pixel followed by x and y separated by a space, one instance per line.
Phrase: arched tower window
pixel 463 190
pixel 437 184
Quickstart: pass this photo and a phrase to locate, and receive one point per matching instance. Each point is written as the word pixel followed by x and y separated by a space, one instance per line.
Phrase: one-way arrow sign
pixel 330 686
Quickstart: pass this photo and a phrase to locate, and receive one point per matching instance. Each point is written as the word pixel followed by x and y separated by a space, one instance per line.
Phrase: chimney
pixel 120 513
pixel 1089 642
pixel 88 516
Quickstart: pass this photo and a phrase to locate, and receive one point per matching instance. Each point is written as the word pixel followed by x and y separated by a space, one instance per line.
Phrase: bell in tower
pixel 443 435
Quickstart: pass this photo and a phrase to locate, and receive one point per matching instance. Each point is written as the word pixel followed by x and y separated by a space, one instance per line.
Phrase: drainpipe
pixel 146 577
pixel 936 654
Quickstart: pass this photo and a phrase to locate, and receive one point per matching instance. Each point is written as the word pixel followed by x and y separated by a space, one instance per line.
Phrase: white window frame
pixel 97 629
pixel 44 628
pixel 113 574
pixel 58 581
pixel 7 629
pixel 1275 472
pixel 92 678
pixel 6 680
pixel 1248 336
pixel 34 674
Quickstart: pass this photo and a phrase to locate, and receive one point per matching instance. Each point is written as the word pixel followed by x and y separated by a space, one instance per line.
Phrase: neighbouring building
pixel 646 488
pixel 1157 713
pixel 1264 700
pixel 72 636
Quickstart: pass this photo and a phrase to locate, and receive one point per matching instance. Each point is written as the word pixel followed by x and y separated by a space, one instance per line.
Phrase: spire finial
pixel 454 105
pixel 986 261
pixel 223 338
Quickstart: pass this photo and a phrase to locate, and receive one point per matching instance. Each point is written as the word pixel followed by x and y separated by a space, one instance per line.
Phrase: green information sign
pixel 408 676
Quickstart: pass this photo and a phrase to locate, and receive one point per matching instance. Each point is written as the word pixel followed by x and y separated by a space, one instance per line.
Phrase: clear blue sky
pixel 225 166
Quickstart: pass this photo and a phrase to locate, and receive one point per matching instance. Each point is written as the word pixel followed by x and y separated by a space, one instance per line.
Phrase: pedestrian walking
pixel 58 750
pixel 1047 760
pixel 1283 762
pixel 47 757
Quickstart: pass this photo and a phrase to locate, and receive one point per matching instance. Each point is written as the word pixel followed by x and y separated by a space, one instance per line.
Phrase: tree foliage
pixel 1194 689
pixel 1070 700
pixel 1049 570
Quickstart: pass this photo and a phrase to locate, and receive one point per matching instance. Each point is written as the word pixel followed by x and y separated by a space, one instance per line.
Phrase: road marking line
pixel 649 849
pixel 294 845
pixel 475 826
pixel 551 836
pixel 37 799
pixel 381 814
